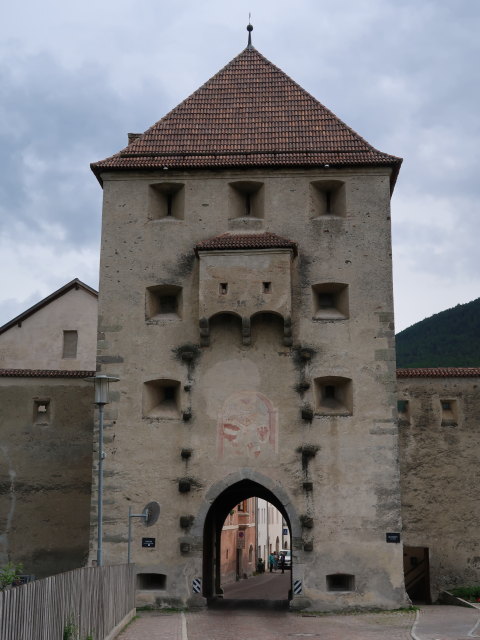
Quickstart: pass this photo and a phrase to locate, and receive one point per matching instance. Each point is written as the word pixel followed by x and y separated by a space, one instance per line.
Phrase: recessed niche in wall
pixel 163 302
pixel 246 199
pixel 267 330
pixel 340 582
pixel 41 411
pixel 166 200
pixel 449 412
pixel 328 198
pixel 225 329
pixel 70 342
pixel 161 398
pixel 330 301
pixel 333 396
pixel 151 581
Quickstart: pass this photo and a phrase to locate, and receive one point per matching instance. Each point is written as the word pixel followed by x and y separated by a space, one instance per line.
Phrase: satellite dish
pixel 151 511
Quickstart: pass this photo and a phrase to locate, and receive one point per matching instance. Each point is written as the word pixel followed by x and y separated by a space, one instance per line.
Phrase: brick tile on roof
pixel 44 373
pixel 264 240
pixel 249 114
pixel 439 372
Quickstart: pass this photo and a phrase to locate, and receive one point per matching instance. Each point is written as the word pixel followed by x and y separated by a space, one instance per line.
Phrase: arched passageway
pixel 221 507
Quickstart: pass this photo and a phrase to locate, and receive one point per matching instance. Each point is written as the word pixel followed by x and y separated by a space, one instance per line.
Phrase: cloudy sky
pixel 76 77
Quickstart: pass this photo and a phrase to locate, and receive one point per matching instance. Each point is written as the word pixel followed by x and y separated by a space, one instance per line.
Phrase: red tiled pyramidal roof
pixel 250 114
pixel 246 241
pixel 440 372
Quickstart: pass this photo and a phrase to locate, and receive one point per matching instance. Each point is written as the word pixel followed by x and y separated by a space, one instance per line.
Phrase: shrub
pixel 9 575
pixel 70 630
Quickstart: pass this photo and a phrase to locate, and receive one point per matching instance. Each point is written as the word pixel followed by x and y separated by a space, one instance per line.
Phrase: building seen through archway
pixel 244 525
pixel 253 534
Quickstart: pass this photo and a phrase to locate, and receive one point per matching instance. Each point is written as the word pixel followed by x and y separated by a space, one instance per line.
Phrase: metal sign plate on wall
pixel 148 542
pixel 393 537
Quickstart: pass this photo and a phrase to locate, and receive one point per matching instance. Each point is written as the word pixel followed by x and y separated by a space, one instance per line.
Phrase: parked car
pixel 288 558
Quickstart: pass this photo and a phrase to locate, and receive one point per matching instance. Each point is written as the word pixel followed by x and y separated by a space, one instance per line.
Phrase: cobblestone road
pixel 269 625
pixel 252 610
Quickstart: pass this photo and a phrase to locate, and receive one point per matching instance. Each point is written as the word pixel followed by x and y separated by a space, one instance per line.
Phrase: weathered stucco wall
pixel 38 342
pixel 336 464
pixel 440 475
pixel 45 473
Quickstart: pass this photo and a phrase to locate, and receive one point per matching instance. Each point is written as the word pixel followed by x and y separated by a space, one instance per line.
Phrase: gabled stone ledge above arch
pixel 245 274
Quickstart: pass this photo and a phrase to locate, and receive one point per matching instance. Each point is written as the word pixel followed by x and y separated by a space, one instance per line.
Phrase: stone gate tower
pixel 246 306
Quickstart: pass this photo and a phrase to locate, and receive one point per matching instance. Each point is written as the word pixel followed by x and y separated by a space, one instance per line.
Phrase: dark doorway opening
pixel 235 571
pixel 416 568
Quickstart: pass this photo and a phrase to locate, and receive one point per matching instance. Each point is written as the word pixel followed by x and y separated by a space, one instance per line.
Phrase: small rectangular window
pixel 326 300
pixel 340 582
pixel 328 202
pixel 449 412
pixel 223 288
pixel 242 506
pixel 167 304
pixel 169 203
pixel 402 406
pixel 329 391
pixel 41 411
pixel 70 341
pixel 169 393
pixel 163 302
pixel 248 204
pixel 267 287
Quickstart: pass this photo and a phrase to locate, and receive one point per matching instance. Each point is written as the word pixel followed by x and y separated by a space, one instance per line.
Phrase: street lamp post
pixel 101 382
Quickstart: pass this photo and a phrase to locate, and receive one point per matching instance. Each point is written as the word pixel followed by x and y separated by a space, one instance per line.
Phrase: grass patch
pixel 467 593
pixel 157 609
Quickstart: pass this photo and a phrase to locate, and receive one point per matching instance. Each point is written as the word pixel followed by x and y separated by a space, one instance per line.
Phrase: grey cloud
pixel 60 122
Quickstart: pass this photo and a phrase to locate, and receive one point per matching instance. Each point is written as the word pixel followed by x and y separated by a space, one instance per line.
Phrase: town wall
pixel 45 472
pixel 440 475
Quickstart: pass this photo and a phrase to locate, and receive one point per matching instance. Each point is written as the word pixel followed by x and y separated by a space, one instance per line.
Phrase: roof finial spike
pixel 249 29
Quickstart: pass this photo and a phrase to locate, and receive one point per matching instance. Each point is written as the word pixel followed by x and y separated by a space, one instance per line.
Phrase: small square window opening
pixel 168 304
pixel 169 393
pixel 326 300
pixel 329 391
pixel 267 287
pixel 223 288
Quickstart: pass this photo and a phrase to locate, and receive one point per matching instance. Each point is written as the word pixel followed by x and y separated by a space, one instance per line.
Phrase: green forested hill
pixel 450 338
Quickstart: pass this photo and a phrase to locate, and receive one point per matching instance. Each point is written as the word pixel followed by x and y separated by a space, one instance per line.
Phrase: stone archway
pixel 222 497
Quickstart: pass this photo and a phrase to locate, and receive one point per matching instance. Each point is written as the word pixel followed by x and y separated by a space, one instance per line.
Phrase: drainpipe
pixel 256 532
pixel 268 534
